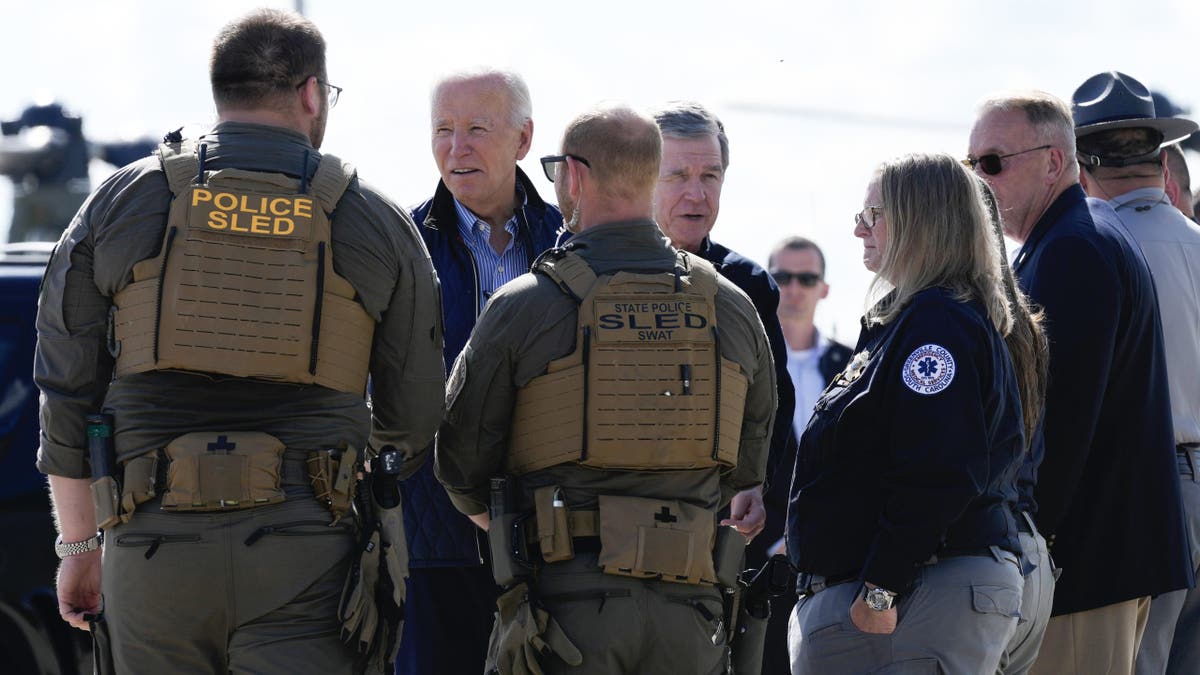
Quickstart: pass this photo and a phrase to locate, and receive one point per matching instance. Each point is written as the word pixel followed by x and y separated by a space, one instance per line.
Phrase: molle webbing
pixel 643 388
pixel 244 283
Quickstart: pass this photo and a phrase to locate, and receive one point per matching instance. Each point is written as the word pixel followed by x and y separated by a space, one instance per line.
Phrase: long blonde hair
pixel 939 234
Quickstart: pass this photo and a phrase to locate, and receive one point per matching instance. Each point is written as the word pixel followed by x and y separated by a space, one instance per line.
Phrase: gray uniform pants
pixel 1036 603
pixel 1171 643
pixel 626 626
pixel 250 591
pixel 958 618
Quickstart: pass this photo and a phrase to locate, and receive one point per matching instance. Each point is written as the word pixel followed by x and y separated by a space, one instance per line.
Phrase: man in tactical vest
pixel 607 405
pixel 206 329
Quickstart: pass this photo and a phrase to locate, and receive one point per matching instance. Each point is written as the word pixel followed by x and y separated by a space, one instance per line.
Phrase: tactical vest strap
pixel 180 164
pixel 568 270
pixel 330 181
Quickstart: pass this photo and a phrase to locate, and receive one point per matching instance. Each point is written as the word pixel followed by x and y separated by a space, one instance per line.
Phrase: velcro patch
pixel 929 369
pixel 246 213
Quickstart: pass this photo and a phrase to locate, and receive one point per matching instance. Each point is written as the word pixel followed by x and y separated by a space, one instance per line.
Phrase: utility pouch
pixel 138 486
pixel 651 538
pixel 332 474
pixel 729 556
pixel 225 471
pixel 553 528
pixel 506 535
pixel 106 501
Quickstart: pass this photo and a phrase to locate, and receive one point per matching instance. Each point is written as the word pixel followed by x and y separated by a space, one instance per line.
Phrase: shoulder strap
pixel 179 163
pixel 700 273
pixel 330 181
pixel 568 269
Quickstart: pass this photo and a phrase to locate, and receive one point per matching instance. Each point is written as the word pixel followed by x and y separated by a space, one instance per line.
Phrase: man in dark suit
pixel 687 199
pixel 1107 490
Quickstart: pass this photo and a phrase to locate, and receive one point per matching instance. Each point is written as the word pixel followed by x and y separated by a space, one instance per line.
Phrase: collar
pixel 468 220
pixel 1068 199
pixel 268 131
pixel 1141 199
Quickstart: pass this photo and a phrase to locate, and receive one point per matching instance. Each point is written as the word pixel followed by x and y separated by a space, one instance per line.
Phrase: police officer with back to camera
pixel 223 303
pixel 606 406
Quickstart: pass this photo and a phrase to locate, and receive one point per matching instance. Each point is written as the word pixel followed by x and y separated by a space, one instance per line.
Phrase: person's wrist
pixel 67 548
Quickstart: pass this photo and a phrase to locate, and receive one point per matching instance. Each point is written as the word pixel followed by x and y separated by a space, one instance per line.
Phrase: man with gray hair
pixel 1122 149
pixel 598 415
pixel 484 226
pixel 686 203
pixel 1100 480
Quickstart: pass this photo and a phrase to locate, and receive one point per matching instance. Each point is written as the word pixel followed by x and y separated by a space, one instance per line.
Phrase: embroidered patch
pixel 929 369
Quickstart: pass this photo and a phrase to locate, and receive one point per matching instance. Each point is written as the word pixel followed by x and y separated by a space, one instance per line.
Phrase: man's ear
pixel 310 96
pixel 525 140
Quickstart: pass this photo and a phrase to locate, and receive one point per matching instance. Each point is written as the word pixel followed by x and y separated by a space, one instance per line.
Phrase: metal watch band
pixel 66 549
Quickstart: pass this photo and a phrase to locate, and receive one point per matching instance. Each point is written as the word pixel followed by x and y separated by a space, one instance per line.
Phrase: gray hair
pixel 520 102
pixel 1048 114
pixel 687 119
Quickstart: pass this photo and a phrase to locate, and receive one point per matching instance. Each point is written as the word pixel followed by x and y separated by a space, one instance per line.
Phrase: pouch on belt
pixel 653 538
pixel 217 471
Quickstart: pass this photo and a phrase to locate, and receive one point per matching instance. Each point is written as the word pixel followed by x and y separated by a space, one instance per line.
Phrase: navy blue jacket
pixel 438 535
pixel 1107 488
pixel 756 283
pixel 913 452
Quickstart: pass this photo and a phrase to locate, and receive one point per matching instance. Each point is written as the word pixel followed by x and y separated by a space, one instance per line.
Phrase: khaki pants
pixel 251 591
pixel 1101 640
pixel 626 626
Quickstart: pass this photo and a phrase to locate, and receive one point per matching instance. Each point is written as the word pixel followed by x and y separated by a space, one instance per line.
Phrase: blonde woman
pixel 901 516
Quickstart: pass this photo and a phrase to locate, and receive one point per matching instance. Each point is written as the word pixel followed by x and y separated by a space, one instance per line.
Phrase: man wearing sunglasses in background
pixel 1122 153
pixel 687 199
pixel 1100 480
pixel 798 266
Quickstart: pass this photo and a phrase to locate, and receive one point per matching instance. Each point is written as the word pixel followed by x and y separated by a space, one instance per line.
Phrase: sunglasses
pixel 991 164
pixel 806 279
pixel 549 161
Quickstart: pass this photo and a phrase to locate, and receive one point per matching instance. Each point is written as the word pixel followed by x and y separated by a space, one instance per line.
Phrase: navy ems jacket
pixel 913 451
pixel 756 283
pixel 438 535
pixel 1107 488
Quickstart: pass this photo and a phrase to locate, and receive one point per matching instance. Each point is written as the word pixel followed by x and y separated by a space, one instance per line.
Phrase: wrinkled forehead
pixel 1001 132
pixel 482 98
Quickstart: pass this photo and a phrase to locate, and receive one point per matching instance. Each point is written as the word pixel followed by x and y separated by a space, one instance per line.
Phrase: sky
pixel 813 97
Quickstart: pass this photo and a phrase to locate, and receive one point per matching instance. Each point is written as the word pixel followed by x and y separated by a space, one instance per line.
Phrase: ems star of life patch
pixel 928 370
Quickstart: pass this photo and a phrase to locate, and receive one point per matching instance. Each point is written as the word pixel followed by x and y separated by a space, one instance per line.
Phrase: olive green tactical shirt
pixel 375 246
pixel 529 322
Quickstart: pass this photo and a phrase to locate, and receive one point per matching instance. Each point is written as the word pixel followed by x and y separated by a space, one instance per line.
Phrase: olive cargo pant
pixel 629 626
pixel 249 591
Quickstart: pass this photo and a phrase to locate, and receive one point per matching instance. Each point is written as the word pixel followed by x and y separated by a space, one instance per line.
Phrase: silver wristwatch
pixel 878 599
pixel 66 549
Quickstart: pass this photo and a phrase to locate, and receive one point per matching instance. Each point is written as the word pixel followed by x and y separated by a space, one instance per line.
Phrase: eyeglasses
pixel 549 161
pixel 860 220
pixel 991 164
pixel 806 279
pixel 332 91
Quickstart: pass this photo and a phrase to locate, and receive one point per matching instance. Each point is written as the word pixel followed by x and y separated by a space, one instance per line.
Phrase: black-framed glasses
pixel 332 91
pixel 549 161
pixel 991 164
pixel 860 220
pixel 806 279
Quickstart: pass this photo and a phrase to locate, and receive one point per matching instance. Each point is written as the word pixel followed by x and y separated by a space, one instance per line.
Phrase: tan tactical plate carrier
pixel 645 384
pixel 244 282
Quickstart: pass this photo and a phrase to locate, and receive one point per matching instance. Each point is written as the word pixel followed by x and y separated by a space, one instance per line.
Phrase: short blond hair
pixel 623 149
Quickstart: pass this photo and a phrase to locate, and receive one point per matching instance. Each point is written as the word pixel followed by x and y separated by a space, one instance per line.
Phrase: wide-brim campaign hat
pixel 1115 100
